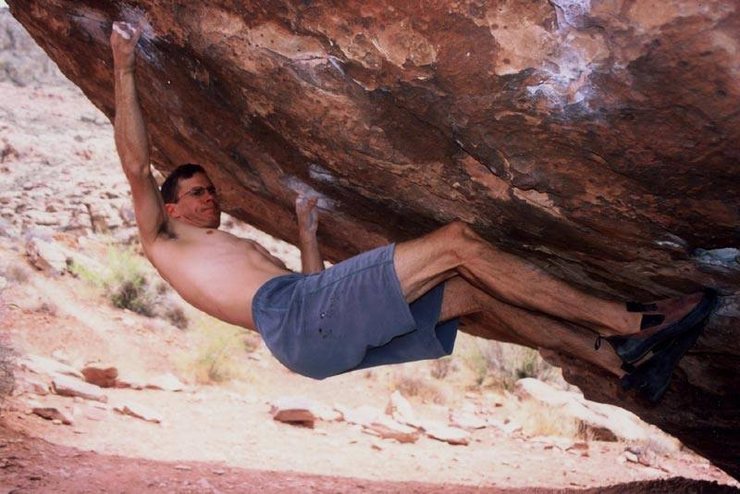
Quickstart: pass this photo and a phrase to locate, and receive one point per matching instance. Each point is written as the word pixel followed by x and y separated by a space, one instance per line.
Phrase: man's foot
pixel 655 313
pixel 679 317
pixel 651 378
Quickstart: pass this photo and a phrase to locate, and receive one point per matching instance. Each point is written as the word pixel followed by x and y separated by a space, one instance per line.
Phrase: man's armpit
pixel 165 230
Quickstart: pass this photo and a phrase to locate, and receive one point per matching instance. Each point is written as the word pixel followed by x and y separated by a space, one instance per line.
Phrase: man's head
pixel 189 196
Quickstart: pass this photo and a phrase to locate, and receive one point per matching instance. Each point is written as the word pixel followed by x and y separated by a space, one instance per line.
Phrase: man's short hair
pixel 170 185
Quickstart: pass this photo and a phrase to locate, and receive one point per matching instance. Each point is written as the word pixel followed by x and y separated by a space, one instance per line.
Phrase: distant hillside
pixel 21 60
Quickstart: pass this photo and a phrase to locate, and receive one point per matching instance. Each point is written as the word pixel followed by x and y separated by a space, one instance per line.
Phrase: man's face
pixel 197 202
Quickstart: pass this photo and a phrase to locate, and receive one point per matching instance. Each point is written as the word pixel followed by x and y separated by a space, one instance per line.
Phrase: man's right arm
pixel 308 223
pixel 131 138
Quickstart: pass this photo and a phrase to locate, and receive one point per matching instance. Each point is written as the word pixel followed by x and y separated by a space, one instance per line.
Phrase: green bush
pixel 124 281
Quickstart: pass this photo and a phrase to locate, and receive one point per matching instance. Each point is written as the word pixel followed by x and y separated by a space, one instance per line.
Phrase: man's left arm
pixel 308 224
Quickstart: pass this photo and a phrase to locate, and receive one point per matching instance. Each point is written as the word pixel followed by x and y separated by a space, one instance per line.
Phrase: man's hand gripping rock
pixel 308 223
pixel 123 40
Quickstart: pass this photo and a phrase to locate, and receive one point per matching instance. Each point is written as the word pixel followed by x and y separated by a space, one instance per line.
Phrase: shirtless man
pixel 395 303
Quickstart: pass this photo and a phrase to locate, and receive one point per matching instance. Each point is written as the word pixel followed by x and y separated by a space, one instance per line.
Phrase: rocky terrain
pixel 102 404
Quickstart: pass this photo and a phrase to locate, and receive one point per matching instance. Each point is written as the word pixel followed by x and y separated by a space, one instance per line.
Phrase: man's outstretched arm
pixel 308 224
pixel 131 138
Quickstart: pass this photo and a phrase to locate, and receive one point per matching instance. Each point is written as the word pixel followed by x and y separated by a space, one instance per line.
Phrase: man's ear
pixel 171 210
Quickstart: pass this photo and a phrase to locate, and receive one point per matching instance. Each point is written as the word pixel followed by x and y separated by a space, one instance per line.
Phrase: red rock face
pixel 598 139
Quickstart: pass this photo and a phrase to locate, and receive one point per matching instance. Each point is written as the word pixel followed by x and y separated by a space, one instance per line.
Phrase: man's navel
pixel 208 232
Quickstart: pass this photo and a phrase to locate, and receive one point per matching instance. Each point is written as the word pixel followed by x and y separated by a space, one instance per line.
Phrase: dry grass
pixel 537 419
pixel 410 383
pixel 219 351
pixel 7 378
pixel 17 273
pixel 500 365
pixel 441 368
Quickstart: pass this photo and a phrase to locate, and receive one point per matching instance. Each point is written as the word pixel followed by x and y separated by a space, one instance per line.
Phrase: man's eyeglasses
pixel 199 191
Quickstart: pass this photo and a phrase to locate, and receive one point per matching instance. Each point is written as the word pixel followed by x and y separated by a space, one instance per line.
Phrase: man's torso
pixel 214 271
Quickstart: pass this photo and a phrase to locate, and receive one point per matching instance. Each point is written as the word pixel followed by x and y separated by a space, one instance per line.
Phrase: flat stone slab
pixel 70 386
pixel 52 413
pixel 138 411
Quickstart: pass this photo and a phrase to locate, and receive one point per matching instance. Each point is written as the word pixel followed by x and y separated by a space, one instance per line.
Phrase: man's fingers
pixel 306 202
pixel 123 29
pixel 127 31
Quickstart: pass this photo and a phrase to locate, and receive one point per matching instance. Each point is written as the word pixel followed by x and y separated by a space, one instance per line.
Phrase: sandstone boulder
pixel 602 422
pixel 598 140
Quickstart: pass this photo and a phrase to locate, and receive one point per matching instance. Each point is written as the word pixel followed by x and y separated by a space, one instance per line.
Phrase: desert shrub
pixel 220 351
pixel 410 383
pixel 502 364
pixel 47 307
pixel 124 281
pixel 17 273
pixel 538 419
pixel 440 368
pixel 7 378
pixel 469 351
pixel 175 314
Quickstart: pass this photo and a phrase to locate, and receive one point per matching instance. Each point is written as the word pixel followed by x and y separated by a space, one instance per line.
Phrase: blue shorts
pixel 348 317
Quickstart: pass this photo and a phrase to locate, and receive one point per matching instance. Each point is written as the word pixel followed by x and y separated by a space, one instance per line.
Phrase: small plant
pixel 469 350
pixel 220 351
pixel 502 364
pixel 538 419
pixel 7 378
pixel 17 273
pixel 440 368
pixel 124 281
pixel 175 314
pixel 411 384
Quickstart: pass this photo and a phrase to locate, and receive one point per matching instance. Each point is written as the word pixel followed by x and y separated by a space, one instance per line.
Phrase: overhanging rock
pixel 597 139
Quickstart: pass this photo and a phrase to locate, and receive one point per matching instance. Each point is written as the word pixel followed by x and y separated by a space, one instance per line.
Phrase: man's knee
pixel 457 230
pixel 462 240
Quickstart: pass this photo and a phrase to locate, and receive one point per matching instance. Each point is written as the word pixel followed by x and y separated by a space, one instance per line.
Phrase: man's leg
pixel 505 322
pixel 457 250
